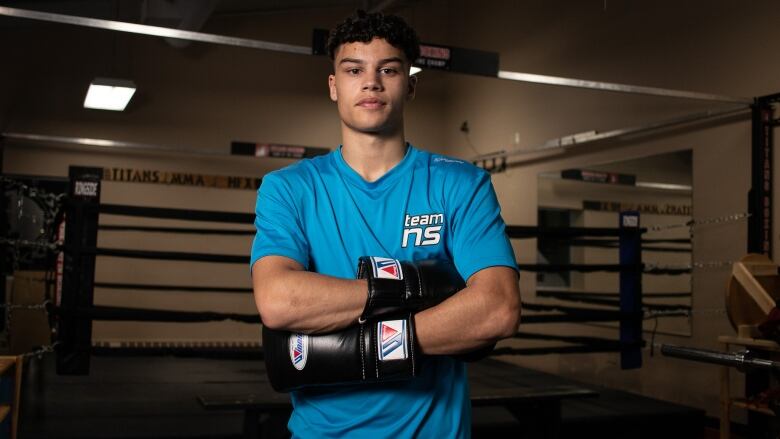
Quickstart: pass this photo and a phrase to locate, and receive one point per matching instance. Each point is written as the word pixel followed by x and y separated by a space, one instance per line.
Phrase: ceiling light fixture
pixel 109 94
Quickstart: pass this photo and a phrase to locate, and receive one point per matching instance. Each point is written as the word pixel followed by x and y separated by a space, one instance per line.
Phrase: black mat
pixel 157 397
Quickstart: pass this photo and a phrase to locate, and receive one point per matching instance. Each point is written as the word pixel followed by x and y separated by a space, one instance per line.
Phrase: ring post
pixel 630 290
pixel 74 334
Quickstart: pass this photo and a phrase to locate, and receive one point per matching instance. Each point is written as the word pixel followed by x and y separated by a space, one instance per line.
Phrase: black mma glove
pixel 378 350
pixel 397 286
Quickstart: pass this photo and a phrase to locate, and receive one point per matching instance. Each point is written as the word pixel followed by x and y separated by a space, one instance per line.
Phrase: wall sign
pixel 657 209
pixel 129 175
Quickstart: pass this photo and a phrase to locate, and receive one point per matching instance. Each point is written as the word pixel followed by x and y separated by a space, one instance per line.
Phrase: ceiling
pixel 185 14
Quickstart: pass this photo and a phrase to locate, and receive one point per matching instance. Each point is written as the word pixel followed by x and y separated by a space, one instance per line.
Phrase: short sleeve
pixel 277 222
pixel 479 237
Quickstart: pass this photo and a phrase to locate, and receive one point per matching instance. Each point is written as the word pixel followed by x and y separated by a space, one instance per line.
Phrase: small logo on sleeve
pixel 422 229
pixel 392 340
pixel 386 268
pixel 299 350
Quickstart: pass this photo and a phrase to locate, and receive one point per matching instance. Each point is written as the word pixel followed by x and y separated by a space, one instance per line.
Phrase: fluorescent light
pixel 414 70
pixel 109 94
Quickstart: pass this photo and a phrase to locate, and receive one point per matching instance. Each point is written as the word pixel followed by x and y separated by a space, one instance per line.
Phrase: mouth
pixel 371 103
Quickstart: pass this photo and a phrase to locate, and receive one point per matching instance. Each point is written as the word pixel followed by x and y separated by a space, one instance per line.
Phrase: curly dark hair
pixel 364 27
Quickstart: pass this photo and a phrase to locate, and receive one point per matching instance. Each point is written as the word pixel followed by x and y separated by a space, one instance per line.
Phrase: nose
pixel 372 82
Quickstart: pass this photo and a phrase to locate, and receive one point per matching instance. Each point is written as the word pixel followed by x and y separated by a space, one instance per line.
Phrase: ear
pixel 412 87
pixel 332 87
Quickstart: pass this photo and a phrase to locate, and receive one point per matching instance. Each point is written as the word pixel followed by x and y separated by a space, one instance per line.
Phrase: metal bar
pixel 642 184
pixel 665 186
pixel 615 87
pixel 157 31
pixel 382 6
pixel 110 144
pixel 594 136
pixel 740 360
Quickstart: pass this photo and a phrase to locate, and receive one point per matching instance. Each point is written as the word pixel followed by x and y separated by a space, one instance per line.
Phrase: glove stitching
pixel 376 347
pixel 411 343
pixel 407 290
pixel 362 354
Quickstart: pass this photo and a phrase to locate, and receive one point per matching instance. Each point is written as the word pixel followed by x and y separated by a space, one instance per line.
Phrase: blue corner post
pixel 631 290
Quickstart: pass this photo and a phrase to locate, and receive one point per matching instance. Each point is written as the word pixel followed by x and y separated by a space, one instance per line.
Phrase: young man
pixel 377 195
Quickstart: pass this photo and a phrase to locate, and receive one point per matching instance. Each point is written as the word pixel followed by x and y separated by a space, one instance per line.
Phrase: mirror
pixel 660 188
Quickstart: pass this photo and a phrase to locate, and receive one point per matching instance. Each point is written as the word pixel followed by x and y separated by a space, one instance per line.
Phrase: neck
pixel 372 155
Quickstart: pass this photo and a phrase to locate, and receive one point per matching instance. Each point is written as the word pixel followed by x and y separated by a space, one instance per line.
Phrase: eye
pixel 389 71
pixel 353 71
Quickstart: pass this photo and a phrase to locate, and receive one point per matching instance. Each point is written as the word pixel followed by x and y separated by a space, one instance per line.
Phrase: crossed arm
pixel 289 298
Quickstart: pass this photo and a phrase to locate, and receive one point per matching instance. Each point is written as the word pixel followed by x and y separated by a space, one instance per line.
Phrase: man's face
pixel 371 83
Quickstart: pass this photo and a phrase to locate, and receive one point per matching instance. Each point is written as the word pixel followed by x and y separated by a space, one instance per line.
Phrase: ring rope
pixel 189 288
pixel 183 230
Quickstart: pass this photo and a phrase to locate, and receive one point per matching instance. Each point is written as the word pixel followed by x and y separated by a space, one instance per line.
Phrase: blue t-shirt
pixel 323 214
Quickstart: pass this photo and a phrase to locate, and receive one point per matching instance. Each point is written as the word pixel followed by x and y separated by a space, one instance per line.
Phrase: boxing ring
pixel 71 311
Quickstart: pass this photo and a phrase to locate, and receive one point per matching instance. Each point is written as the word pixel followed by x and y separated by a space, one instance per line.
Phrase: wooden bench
pixel 10 390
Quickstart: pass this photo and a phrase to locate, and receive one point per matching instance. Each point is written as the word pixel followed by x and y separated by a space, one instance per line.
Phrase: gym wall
pixel 710 47
pixel 204 96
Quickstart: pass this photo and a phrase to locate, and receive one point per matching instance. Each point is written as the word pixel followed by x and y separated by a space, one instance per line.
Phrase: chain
pixel 722 219
pixel 44 245
pixel 712 264
pixel 700 265
pixel 48 198
pixel 40 352
pixel 10 307
pixel 683 312
pixel 706 221
pixel 51 204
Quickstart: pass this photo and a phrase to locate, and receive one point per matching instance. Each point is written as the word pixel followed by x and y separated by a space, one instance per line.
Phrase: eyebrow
pixel 381 62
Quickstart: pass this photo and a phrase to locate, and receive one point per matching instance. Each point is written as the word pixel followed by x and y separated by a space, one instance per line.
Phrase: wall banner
pixel 656 209
pixel 129 175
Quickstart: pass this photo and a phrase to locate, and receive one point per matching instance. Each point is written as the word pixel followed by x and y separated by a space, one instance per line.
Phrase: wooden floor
pixel 156 397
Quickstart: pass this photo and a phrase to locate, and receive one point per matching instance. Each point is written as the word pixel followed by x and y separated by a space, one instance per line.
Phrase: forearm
pixel 302 301
pixel 475 317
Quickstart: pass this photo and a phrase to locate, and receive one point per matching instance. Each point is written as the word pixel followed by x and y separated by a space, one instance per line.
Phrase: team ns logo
pixel 424 229
pixel 299 350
